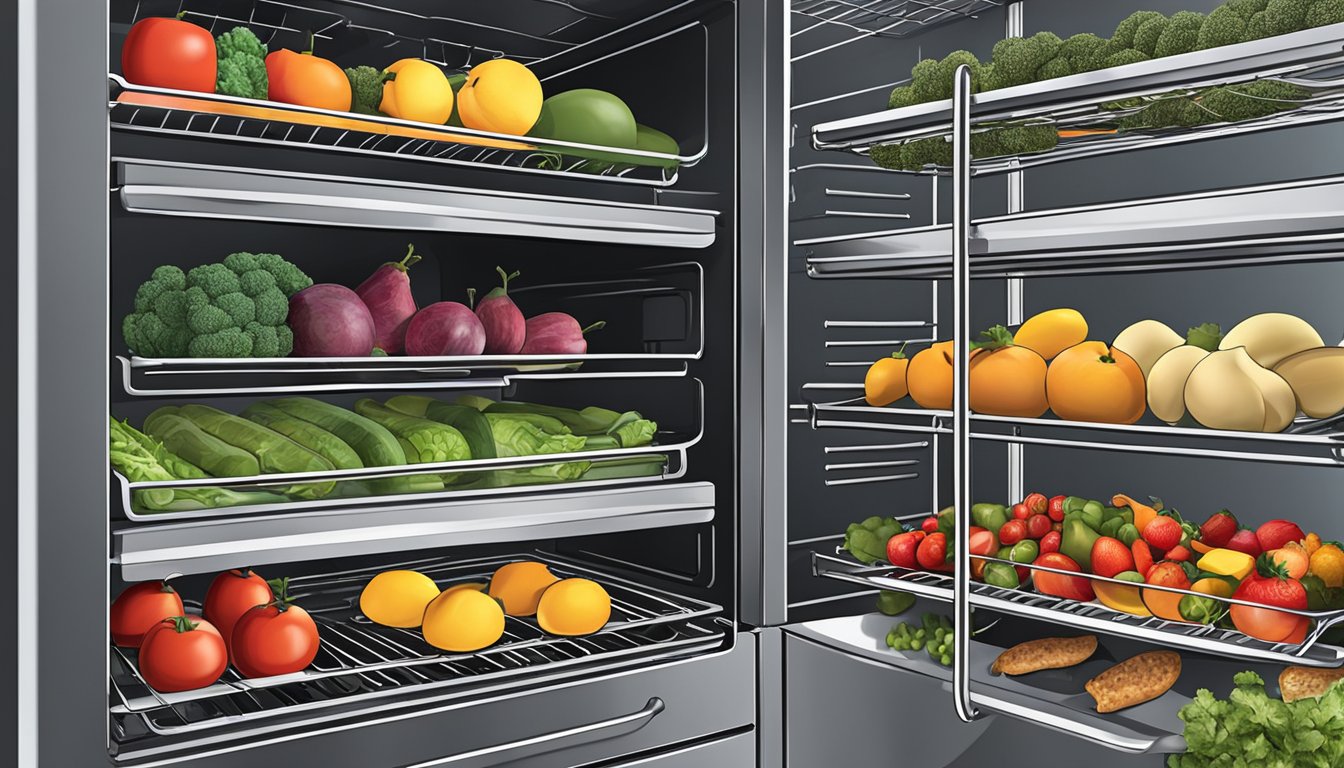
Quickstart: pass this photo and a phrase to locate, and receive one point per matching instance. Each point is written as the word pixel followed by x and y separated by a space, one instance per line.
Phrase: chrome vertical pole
pixel 1015 27
pixel 961 408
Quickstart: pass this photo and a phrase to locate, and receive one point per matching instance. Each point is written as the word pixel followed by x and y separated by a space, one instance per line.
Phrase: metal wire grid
pixel 878 18
pixel 451 149
pixel 287 24
pixel 359 660
pixel 1201 637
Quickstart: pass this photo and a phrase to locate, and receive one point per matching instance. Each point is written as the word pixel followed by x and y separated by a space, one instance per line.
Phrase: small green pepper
pixel 1111 527
pixel 1074 504
pixel 1024 551
pixel 893 603
pixel 1001 575
pixel 989 516
pixel 1127 515
pixel 1128 533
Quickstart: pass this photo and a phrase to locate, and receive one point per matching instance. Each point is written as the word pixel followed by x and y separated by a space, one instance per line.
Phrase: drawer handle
pixel 568 737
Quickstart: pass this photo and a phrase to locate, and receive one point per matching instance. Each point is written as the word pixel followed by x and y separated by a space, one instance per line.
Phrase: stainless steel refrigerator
pixel 747 279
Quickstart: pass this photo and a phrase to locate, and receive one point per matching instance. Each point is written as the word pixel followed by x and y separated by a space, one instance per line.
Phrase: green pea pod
pixel 1001 575
pixel 1024 551
pixel 989 516
pixel 892 603
pixel 1128 533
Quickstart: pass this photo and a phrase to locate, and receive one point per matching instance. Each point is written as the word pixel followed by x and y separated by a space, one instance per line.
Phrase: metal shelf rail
pixel 862 19
pixel 1099 99
pixel 361 660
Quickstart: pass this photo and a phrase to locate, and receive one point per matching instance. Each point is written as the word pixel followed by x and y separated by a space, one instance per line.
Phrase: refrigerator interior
pixel 847 461
pixel 650 250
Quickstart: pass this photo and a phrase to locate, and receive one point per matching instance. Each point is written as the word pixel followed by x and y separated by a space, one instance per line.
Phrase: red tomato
pixel 930 525
pixel 139 608
pixel 232 594
pixel 901 549
pixel 1245 540
pixel 1037 503
pixel 1162 533
pixel 1050 542
pixel 1143 556
pixel 1057 584
pixel 1276 533
pixel 1038 526
pixel 307 80
pixel 1269 584
pixel 982 541
pixel 1021 512
pixel 1056 508
pixel 169 53
pixel 1012 532
pixel 279 638
pixel 932 552
pixel 1300 633
pixel 182 654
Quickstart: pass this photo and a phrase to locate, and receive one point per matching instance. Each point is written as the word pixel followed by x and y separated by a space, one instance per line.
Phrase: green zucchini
pixel 182 437
pixel 276 454
pixel 423 441
pixel 473 425
pixel 307 434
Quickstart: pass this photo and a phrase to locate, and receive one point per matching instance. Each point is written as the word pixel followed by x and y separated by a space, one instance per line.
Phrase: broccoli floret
pixel 1127 56
pixel 901 96
pixel 242 262
pixel 1145 38
pixel 165 278
pixel 241 67
pixel 288 278
pixel 887 156
pixel 214 279
pixel 256 282
pixel 1017 59
pixel 1165 112
pixel 285 337
pixel 171 307
pixel 1279 18
pixel 1080 46
pixel 1324 12
pixel 1127 29
pixel 1056 67
pixel 1246 8
pixel 229 342
pixel 1014 140
pixel 265 342
pixel 238 307
pixel 272 307
pixel 208 319
pixel 1224 26
pixel 1181 34
pixel 1251 100
pixel 921 152
pixel 366 89
pixel 933 80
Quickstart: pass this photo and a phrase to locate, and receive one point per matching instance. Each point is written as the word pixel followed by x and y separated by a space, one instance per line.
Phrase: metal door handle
pixel 555 740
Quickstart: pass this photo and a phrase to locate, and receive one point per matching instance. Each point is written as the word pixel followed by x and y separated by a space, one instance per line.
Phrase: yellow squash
pixel 1050 332
pixel 419 91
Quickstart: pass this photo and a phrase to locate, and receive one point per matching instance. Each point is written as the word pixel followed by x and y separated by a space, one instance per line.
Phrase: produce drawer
pixel 553 724
pixel 739 750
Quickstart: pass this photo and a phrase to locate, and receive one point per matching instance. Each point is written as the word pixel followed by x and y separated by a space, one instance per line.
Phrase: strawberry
pixel 1269 584
pixel 1218 529
pixel 1276 533
pixel 1111 556
pixel 1245 540
pixel 1163 533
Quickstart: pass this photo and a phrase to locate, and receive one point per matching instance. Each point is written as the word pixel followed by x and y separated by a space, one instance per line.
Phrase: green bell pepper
pixel 893 603
pixel 989 516
pixel 1001 575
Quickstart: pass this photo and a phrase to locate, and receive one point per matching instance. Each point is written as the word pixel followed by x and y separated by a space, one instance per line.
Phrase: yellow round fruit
pixel 574 607
pixel 476 585
pixel 420 92
pixel 519 586
pixel 1051 332
pixel 397 598
pixel 463 620
pixel 501 96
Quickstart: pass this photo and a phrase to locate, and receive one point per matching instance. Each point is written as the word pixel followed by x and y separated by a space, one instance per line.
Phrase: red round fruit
pixel 232 594
pixel 1050 542
pixel 169 53
pixel 1177 553
pixel 1269 584
pixel 1012 532
pixel 982 541
pixel 932 552
pixel 1056 508
pixel 1163 533
pixel 1021 512
pixel 182 654
pixel 1037 503
pixel 279 638
pixel 1218 529
pixel 1276 533
pixel 1245 540
pixel 901 549
pixel 930 525
pixel 139 608
pixel 1057 584
pixel 1038 526
pixel 1110 556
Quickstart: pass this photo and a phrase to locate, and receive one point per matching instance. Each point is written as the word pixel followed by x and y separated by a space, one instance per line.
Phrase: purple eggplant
pixel 387 294
pixel 505 329
pixel 445 329
pixel 556 333
pixel 330 320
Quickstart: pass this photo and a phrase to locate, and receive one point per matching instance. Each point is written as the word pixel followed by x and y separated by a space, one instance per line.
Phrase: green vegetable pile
pixel 867 541
pixel 241 64
pixel 366 89
pixel 1250 728
pixel 1142 36
pixel 301 434
pixel 236 308
pixel 935 636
